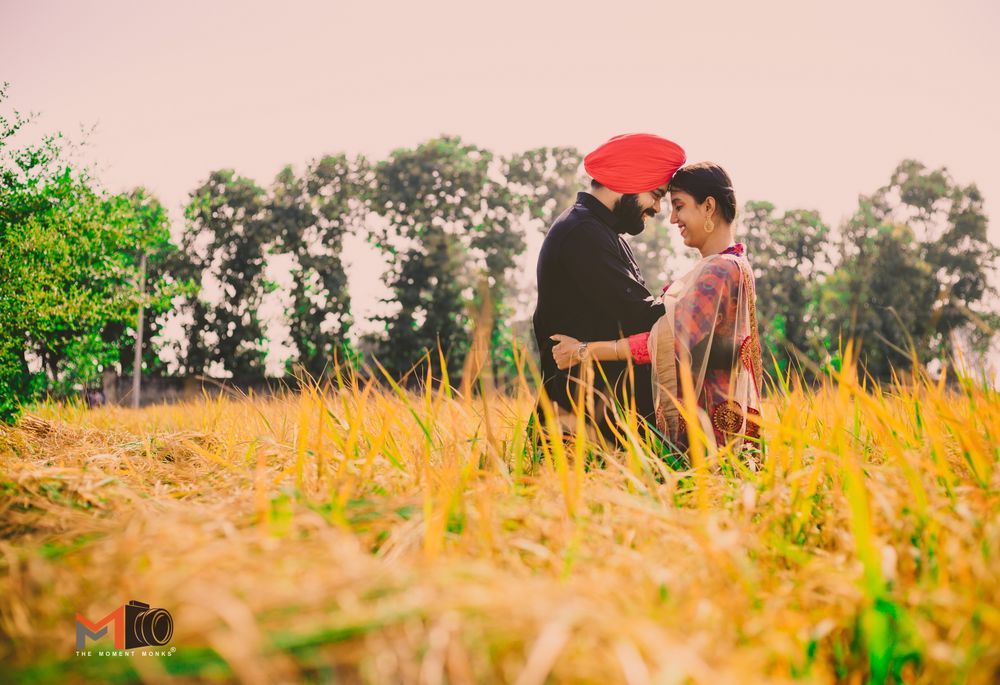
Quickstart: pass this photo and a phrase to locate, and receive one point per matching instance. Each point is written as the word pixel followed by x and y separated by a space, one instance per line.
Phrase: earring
pixel 709 225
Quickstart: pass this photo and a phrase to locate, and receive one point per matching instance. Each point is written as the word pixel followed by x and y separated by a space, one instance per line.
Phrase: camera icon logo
pixel 146 627
pixel 135 624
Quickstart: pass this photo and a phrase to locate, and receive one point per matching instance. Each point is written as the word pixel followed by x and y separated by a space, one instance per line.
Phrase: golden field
pixel 360 533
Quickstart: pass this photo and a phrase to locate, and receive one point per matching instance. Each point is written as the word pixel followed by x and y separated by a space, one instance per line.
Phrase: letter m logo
pixel 95 631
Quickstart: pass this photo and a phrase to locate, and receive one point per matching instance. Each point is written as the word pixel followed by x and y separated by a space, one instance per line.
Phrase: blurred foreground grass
pixel 362 534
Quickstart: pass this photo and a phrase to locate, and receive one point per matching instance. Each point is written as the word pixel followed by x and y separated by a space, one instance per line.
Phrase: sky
pixel 806 104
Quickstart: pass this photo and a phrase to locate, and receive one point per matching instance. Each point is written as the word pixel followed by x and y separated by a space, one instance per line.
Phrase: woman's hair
pixel 704 180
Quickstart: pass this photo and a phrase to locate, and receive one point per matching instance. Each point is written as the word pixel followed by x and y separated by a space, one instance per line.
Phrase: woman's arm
pixel 570 351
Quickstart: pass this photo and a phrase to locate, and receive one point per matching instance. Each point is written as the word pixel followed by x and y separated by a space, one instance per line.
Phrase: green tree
pixel 881 295
pixel 227 239
pixel 951 225
pixel 790 254
pixel 67 276
pixel 164 264
pixel 544 181
pixel 310 217
pixel 447 221
pixel 914 265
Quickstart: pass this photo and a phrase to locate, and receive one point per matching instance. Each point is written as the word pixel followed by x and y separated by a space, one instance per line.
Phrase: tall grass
pixel 366 532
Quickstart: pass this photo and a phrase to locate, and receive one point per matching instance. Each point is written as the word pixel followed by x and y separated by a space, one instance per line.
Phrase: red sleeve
pixel 638 346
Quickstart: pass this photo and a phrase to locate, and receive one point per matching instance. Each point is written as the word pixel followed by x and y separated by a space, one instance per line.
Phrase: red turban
pixel 634 162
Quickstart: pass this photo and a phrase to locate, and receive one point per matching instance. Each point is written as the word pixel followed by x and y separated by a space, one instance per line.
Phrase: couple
pixel 698 341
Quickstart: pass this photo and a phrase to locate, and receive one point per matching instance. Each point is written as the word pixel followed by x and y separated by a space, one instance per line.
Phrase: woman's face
pixel 689 217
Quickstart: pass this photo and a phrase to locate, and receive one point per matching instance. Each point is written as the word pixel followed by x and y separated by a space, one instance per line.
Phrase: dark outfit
pixel 589 287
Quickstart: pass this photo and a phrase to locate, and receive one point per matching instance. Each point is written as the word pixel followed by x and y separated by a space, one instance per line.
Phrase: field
pixel 361 533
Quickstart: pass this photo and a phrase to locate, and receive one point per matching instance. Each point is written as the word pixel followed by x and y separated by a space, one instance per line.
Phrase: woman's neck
pixel 717 241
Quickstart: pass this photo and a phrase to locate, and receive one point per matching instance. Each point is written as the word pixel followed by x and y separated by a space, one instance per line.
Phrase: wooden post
pixel 137 362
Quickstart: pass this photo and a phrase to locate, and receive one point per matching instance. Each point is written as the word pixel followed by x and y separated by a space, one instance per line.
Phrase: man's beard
pixel 630 214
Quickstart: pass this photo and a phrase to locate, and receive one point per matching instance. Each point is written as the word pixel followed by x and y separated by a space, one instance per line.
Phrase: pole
pixel 137 362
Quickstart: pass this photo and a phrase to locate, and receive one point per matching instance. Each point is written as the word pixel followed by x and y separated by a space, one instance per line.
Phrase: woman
pixel 710 325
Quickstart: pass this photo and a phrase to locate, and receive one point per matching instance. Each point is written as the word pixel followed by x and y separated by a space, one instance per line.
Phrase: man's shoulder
pixel 580 223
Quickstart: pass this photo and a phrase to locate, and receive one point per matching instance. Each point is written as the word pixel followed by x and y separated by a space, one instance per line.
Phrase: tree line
pixel 908 273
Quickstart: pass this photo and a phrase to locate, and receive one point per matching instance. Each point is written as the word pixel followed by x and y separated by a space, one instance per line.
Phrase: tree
pixel 310 217
pixel 447 220
pixel 952 228
pixel 544 181
pixel 164 265
pixel 67 276
pixel 227 239
pixel 913 270
pixel 881 296
pixel 790 253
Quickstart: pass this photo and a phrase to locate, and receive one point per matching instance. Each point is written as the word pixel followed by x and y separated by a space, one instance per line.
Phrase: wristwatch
pixel 581 351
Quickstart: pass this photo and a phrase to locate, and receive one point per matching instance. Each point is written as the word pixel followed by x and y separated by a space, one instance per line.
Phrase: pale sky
pixel 807 104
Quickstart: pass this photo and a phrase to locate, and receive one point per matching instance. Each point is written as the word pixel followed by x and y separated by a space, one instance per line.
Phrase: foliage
pixel 226 240
pixel 68 277
pixel 310 217
pixel 544 180
pixel 454 220
pixel 913 270
pixel 446 222
pixel 165 264
pixel 790 254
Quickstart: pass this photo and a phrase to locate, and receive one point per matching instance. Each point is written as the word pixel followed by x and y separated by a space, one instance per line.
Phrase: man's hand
pixel 566 352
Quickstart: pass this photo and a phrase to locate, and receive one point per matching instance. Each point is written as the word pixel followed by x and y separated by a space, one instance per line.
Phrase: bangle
pixel 618 357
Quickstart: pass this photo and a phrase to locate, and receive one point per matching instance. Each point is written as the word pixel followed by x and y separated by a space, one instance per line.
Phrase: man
pixel 589 284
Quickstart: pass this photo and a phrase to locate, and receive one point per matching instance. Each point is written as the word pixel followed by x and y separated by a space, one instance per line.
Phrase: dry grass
pixel 371 535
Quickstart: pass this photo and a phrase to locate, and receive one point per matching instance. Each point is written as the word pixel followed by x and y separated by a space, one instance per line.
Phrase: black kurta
pixel 590 287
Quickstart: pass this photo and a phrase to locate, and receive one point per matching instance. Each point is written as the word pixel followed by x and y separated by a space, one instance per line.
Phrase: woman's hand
pixel 566 352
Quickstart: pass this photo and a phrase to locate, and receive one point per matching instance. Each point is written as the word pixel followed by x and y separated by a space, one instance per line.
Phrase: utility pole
pixel 137 362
